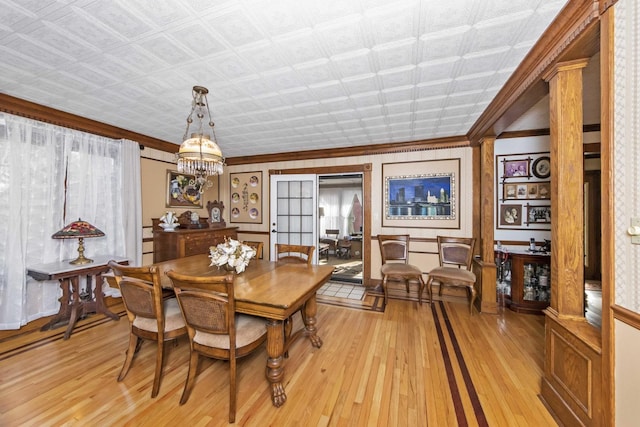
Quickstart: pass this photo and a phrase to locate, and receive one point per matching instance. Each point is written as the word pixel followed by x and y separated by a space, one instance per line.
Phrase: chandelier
pixel 199 154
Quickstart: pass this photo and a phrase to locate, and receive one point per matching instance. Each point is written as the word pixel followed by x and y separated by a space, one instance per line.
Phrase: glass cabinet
pixel 524 280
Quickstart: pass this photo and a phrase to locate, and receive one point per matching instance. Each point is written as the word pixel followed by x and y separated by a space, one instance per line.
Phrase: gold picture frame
pixel 182 191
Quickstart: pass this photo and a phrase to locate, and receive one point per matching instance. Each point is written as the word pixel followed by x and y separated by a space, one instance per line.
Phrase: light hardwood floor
pixel 385 369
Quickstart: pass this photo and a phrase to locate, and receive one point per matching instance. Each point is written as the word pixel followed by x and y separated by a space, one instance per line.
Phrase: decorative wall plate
pixel 542 167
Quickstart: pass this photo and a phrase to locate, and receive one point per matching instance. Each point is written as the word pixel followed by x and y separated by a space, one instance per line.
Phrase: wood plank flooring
pixel 409 366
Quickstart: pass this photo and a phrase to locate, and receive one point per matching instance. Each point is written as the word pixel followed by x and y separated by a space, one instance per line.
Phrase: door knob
pixel 634 230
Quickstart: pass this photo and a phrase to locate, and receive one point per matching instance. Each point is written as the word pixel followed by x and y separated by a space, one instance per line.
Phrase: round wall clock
pixel 542 167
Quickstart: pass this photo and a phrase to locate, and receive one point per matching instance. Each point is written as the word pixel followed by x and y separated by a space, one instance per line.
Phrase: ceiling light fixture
pixel 199 154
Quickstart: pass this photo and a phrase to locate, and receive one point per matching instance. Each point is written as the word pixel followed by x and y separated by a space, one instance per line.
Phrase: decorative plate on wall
pixel 542 167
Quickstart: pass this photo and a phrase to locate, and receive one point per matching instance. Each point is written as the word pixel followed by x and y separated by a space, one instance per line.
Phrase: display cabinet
pixel 187 241
pixel 525 280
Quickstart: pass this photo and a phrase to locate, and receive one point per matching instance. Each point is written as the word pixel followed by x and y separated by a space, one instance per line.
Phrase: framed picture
pixel 511 215
pixel 182 191
pixel 516 168
pixel 538 214
pixel 421 194
pixel 544 190
pixel 541 167
pixel 526 190
pixel 246 197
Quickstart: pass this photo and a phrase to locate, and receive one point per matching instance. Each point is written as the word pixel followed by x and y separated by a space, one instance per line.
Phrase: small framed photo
pixel 538 214
pixel 516 168
pixel 541 167
pixel 510 191
pixel 523 191
pixel 544 190
pixel 526 190
pixel 511 215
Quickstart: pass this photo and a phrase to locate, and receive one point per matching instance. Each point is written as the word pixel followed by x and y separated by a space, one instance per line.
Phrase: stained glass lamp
pixel 79 230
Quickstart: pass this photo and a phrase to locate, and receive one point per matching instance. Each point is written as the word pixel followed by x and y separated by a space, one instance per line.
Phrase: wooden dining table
pixel 273 291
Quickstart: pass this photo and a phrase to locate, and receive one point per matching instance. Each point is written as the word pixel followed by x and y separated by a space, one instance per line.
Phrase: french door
pixel 293 213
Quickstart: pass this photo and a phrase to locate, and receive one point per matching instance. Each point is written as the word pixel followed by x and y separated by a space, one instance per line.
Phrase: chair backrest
pixel 332 233
pixel 141 291
pixel 394 247
pixel 294 253
pixel 456 251
pixel 258 246
pixel 207 304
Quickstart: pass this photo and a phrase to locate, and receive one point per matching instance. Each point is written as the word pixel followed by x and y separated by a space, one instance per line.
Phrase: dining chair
pixel 296 254
pixel 215 329
pixel 152 316
pixel 258 246
pixel 331 238
pixel 344 249
pixel 456 254
pixel 394 249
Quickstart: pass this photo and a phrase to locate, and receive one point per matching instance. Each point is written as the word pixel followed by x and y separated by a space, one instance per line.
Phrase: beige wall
pixel 154 165
pixel 424 260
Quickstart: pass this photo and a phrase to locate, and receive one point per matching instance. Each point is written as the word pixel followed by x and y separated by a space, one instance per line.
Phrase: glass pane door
pixel 293 211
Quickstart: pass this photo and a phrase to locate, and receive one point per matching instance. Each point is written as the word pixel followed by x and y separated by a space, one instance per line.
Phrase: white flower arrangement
pixel 231 253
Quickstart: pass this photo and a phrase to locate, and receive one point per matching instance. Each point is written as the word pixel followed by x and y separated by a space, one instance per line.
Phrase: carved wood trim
pixel 364 150
pixel 31 110
pixel 606 4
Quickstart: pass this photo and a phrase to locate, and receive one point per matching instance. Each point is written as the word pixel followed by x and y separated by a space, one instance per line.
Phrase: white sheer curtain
pixel 102 181
pixel 337 204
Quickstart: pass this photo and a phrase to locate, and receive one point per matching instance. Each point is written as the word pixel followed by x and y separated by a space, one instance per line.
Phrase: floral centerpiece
pixel 232 255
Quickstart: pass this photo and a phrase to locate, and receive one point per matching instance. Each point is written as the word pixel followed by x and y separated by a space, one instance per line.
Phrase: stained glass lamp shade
pixel 79 230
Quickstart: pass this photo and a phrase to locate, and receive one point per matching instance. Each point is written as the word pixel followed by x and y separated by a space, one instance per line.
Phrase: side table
pixel 73 305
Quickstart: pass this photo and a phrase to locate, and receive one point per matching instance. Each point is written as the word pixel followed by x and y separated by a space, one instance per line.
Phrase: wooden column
pixel 485 269
pixel 567 199
pixel 573 353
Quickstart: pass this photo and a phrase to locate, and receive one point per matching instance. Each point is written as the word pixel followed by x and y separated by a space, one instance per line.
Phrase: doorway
pixel 341 225
pixel 364 169
pixel 293 211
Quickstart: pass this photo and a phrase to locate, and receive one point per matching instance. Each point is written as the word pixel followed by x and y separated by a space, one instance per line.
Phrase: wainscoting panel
pixel 572 379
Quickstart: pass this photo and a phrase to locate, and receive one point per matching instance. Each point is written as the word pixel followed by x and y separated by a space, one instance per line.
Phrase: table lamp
pixel 79 230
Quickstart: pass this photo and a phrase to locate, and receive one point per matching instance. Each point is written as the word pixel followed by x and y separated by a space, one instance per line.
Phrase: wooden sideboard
pixel 187 241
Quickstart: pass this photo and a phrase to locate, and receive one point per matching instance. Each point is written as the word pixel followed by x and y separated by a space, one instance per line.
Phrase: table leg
pixel 98 305
pixel 75 303
pixel 275 370
pixel 310 310
pixel 64 312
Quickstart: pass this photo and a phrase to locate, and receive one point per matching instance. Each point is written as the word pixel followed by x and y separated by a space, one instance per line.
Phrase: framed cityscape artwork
pixel 421 194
